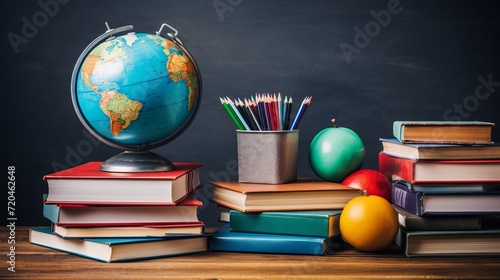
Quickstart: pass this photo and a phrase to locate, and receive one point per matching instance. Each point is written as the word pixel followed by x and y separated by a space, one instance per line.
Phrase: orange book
pixel 304 194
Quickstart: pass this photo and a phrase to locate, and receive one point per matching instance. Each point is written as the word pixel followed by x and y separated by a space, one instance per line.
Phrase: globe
pixel 136 92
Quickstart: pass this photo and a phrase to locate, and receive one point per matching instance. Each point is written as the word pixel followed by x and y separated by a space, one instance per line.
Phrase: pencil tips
pixel 264 111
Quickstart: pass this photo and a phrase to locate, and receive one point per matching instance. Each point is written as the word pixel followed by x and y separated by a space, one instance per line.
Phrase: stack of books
pixel 122 216
pixel 301 217
pixel 446 187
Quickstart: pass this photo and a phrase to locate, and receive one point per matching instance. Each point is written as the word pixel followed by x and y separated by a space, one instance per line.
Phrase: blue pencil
pixel 300 113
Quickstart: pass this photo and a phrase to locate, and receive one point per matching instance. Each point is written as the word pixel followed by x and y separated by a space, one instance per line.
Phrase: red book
pixel 422 171
pixel 86 184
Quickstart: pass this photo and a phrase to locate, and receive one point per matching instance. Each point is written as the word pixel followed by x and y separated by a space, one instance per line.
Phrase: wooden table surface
pixel 36 262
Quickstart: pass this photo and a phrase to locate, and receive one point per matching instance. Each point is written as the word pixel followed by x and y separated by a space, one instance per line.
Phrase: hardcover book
pixel 128 231
pixel 224 214
pixel 224 239
pixel 449 243
pixel 419 151
pixel 452 187
pixel 120 249
pixel 304 194
pixel 121 215
pixel 86 184
pixel 420 203
pixel 432 171
pixel 322 223
pixel 412 222
pixel 452 132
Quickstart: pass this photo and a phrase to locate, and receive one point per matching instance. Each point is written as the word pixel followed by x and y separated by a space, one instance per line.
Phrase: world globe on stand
pixel 136 92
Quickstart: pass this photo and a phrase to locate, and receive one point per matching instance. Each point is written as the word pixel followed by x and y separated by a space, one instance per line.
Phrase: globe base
pixel 141 161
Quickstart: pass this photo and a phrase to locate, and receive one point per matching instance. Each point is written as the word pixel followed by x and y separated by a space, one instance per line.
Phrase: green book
pixel 321 223
pixel 443 132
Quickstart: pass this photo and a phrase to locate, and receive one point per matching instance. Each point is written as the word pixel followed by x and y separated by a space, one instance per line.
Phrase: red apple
pixel 371 181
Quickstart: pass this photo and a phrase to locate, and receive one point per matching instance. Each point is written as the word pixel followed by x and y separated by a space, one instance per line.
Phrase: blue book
pixel 120 249
pixel 231 241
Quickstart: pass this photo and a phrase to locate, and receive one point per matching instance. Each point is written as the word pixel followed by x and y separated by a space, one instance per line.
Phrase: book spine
pixel 412 222
pixel 442 223
pixel 406 199
pixel 398 130
pixel 51 212
pixel 190 183
pixel 391 165
pixel 226 240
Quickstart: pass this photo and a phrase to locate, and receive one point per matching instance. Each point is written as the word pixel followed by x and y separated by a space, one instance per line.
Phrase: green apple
pixel 336 152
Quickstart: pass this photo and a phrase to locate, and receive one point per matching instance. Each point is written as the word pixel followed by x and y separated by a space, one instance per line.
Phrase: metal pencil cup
pixel 268 157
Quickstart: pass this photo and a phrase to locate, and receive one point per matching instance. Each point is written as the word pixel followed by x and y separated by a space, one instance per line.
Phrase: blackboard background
pixel 424 62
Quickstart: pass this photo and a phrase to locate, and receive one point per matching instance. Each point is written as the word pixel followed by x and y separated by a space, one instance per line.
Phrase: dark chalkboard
pixel 366 63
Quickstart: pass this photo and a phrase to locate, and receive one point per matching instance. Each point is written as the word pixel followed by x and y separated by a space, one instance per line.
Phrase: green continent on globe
pixel 120 110
pixel 179 67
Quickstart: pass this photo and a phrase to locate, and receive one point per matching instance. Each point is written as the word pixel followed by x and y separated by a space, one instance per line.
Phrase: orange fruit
pixel 368 223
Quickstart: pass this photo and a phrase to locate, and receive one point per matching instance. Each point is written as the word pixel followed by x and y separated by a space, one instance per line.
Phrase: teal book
pixel 444 132
pixel 121 249
pixel 322 223
pixel 226 240
pixel 482 242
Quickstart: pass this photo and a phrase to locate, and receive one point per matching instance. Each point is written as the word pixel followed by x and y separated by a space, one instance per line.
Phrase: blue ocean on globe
pixel 137 89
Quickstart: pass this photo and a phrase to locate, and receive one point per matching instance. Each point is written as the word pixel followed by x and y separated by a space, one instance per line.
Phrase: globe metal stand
pixel 137 161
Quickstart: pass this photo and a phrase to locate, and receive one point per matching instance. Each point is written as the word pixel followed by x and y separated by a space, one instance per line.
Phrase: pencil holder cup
pixel 267 157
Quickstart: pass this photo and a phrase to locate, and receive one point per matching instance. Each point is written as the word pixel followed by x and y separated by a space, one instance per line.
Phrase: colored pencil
pixel 276 113
pixel 288 112
pixel 283 113
pixel 303 106
pixel 264 111
pixel 231 113
pixel 250 110
pixel 244 113
pixel 280 112
pixel 240 117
